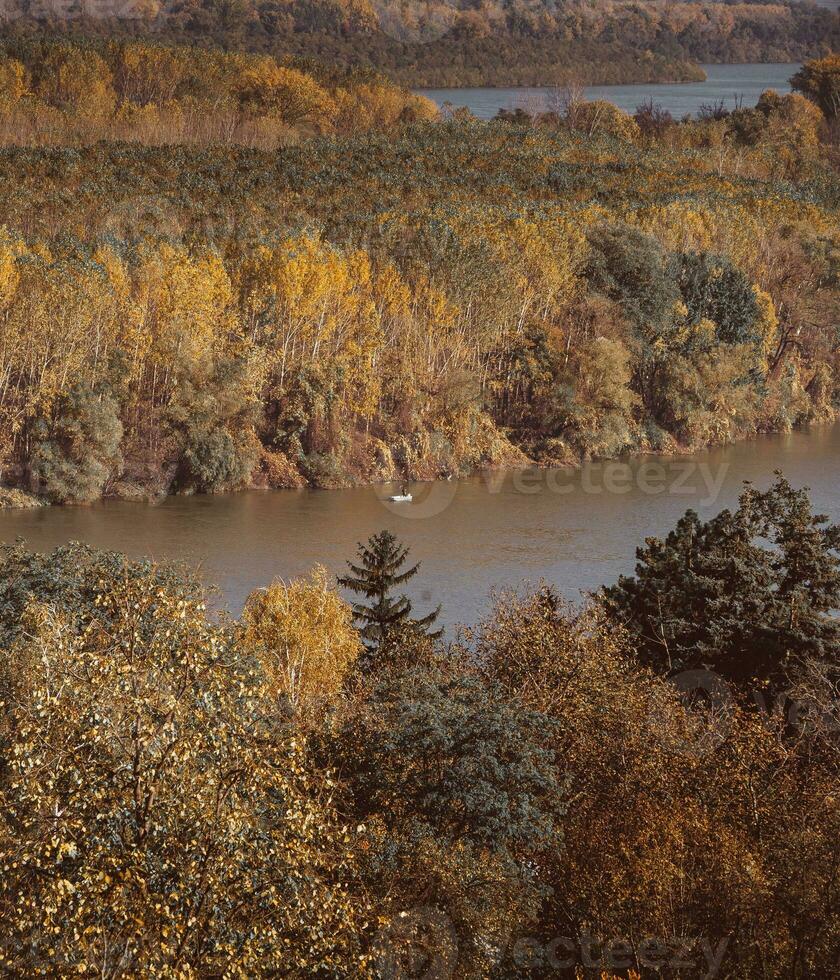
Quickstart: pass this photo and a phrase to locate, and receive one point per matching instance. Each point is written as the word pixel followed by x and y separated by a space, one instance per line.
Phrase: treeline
pixel 417 304
pixel 487 42
pixel 643 787
pixel 55 92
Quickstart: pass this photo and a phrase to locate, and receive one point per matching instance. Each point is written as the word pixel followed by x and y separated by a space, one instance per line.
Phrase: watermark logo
pixel 698 481
pixel 651 478
pixel 711 704
pixel 709 718
pixel 420 944
pixel 427 499
pixel 70 10
pixel 689 956
pixel 415 25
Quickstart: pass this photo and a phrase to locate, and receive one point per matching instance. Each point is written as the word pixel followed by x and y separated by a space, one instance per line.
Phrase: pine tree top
pixel 378 572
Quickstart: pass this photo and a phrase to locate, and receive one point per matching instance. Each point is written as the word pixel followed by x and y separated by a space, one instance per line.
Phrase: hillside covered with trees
pixel 54 93
pixel 406 299
pixel 642 787
pixel 469 42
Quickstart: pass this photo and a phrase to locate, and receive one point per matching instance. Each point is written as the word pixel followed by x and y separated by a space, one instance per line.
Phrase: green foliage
pixel 632 268
pixel 714 289
pixel 77 450
pixel 713 594
pixel 438 747
pixel 213 418
pixel 69 580
pixel 375 578
pixel 458 796
pixel 212 461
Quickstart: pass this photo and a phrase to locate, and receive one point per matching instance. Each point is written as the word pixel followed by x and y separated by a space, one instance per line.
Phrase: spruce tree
pixel 378 573
pixel 752 594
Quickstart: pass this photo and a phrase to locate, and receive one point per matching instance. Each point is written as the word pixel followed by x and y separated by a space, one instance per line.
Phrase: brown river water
pixel 575 528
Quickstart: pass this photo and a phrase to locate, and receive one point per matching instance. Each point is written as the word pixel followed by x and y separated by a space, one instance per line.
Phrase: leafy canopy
pixel 751 593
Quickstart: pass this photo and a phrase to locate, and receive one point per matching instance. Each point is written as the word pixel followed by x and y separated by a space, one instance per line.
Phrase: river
pixel 732 84
pixel 574 528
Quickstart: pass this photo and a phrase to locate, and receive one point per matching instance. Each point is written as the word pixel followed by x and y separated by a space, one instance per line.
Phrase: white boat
pixel 401 498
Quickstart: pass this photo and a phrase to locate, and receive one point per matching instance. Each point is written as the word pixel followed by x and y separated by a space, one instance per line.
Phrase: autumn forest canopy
pixel 228 265
pixel 218 270
pixel 468 42
pixel 643 785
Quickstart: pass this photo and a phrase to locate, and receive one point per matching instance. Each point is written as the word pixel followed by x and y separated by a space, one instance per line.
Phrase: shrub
pixel 213 418
pixel 602 117
pixel 715 289
pixel 631 268
pixel 76 452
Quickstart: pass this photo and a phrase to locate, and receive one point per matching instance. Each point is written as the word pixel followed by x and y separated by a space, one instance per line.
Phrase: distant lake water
pixel 731 83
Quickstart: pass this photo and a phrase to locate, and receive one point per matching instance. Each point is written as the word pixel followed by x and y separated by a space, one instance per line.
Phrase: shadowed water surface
pixel 577 529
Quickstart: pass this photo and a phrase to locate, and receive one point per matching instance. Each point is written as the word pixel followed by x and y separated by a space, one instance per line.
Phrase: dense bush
pixel 213 417
pixel 632 268
pixel 77 450
pixel 714 289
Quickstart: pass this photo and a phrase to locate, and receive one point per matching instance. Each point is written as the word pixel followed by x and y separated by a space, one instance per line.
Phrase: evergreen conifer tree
pixel 713 595
pixel 378 573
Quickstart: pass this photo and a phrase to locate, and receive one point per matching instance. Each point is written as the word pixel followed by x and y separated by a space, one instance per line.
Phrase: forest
pixel 367 293
pixel 443 43
pixel 64 93
pixel 642 786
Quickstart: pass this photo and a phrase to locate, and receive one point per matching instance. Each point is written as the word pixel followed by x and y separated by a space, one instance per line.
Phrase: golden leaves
pixel 154 801
pixel 303 633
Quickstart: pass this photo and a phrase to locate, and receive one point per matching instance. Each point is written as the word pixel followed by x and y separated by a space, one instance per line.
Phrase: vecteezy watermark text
pixel 699 481
pixel 697 955
pixel 653 478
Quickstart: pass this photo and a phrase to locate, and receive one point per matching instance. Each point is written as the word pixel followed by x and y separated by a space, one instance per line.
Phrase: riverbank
pixel 726 86
pixel 576 528
pixel 416 302
pixel 276 472
pixel 12 498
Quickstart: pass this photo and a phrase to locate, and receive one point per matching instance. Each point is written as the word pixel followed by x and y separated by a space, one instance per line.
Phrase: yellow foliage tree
pixel 77 81
pixel 303 633
pixel 13 83
pixel 268 89
pixel 186 300
pixel 603 117
pixel 157 816
pixel 308 301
